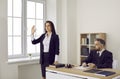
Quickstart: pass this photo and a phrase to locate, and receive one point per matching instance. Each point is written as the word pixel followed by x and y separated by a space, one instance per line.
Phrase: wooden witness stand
pixel 74 73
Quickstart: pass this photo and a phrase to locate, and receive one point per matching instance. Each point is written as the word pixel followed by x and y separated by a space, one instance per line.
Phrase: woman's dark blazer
pixel 53 48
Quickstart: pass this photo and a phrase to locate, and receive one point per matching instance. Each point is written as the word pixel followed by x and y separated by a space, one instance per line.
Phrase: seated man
pixel 100 57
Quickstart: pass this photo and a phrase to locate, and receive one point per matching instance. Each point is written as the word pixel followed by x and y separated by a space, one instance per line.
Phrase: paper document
pixel 82 68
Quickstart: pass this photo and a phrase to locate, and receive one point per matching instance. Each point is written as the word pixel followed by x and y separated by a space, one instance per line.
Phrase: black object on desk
pixel 59 65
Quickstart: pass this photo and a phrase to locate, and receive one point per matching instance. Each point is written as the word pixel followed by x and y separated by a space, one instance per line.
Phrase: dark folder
pixel 100 72
pixel 106 73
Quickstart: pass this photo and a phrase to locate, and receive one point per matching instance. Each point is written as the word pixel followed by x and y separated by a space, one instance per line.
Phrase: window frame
pixel 24 28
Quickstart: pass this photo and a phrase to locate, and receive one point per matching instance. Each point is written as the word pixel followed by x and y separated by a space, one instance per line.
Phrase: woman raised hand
pixel 33 29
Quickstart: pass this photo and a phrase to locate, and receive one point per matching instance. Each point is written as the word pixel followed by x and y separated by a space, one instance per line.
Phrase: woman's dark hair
pixel 52 27
pixel 101 41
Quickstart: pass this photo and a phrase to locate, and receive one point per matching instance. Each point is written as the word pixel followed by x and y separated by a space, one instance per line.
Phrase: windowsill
pixel 24 61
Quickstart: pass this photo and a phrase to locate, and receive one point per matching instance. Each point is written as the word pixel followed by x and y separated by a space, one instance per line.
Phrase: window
pixel 14 27
pixel 34 17
pixel 22 15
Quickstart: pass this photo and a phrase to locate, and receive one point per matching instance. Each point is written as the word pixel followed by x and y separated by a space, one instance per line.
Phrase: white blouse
pixel 46 42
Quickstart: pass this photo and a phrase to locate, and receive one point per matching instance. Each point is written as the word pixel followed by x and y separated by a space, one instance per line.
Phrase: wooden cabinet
pixel 87 43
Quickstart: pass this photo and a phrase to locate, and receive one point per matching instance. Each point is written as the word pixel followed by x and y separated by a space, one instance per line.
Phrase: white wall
pixel 51 10
pixel 66 26
pixel 100 16
pixel 6 71
pixel 29 71
pixel 72 31
pixel 62 29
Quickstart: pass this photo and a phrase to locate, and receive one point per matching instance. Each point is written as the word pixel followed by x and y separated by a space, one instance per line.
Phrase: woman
pixel 49 46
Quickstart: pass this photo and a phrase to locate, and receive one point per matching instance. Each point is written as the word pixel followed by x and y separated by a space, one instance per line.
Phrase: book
pixel 84 40
pixel 106 73
pixel 84 51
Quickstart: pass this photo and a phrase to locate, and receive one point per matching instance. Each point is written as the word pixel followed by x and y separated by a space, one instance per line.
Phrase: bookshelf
pixel 87 43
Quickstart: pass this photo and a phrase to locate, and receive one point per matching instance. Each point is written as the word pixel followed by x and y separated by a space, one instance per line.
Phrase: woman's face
pixel 48 27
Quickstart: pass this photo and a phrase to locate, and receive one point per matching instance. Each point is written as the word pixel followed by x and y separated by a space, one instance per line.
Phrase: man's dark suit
pixel 103 61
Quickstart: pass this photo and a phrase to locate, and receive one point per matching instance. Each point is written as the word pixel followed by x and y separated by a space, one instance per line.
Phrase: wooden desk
pixel 76 74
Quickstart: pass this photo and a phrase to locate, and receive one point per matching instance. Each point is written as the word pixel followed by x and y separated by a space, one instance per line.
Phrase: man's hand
pixel 91 65
pixel 84 64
